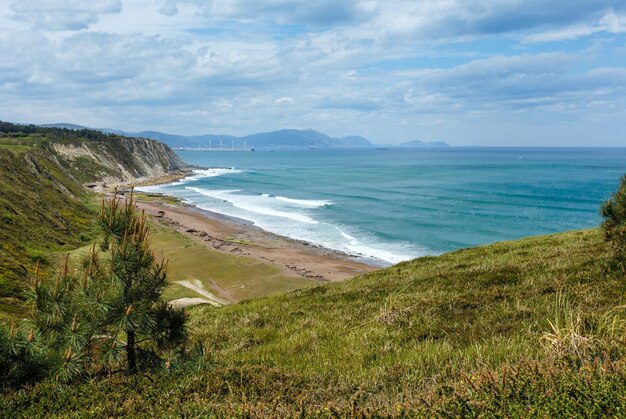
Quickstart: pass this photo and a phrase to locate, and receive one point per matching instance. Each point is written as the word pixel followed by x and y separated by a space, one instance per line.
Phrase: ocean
pixel 387 206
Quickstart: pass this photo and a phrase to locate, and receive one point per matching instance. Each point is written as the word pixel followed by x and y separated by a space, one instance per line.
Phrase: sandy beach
pixel 294 258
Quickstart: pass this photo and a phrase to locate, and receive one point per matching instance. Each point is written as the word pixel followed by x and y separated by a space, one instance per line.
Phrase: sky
pixel 480 72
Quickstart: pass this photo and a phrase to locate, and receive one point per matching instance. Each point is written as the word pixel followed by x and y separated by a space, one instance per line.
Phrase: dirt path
pixel 197 286
pixel 186 302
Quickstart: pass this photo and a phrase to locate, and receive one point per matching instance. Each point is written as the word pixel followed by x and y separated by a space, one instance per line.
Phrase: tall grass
pixel 532 327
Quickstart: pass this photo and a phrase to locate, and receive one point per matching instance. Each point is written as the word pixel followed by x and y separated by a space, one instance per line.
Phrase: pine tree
pixel 23 357
pixel 93 319
pixel 138 313
pixel 614 225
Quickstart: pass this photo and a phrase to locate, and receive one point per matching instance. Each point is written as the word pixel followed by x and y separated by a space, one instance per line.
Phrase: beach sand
pixel 294 258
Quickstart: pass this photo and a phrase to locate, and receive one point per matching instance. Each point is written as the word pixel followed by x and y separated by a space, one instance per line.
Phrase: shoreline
pixel 107 188
pixel 250 224
pixel 217 216
pixel 242 238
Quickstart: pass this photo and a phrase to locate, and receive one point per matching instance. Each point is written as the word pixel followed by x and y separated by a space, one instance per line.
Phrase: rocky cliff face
pixel 44 207
pixel 117 159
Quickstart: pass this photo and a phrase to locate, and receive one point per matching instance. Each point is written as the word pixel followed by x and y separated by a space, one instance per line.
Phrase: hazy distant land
pixel 284 139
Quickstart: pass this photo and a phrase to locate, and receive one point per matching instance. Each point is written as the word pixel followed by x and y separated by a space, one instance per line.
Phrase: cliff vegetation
pixel 44 208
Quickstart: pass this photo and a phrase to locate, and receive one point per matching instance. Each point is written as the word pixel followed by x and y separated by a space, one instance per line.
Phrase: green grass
pixel 147 197
pixel 85 169
pixel 241 277
pixel 514 329
pixel 42 211
pixel 420 321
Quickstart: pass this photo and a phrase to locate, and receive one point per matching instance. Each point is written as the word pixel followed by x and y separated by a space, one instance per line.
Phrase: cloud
pixel 169 8
pixel 372 67
pixel 450 19
pixel 284 12
pixel 609 23
pixel 398 19
pixel 283 100
pixel 514 83
pixel 59 15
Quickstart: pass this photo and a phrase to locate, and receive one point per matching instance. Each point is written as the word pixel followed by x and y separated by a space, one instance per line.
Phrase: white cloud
pixel 448 20
pixel 59 15
pixel 372 67
pixel 610 23
pixel 168 8
pixel 283 100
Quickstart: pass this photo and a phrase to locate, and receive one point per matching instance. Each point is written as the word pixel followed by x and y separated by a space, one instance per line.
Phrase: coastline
pixel 238 237
pixel 233 236
pixel 111 187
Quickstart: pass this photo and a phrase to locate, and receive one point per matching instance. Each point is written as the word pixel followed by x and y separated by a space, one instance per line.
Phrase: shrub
pixel 614 225
pixel 102 318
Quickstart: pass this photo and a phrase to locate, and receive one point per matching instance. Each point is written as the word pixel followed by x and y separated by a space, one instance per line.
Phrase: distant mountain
pixel 418 143
pixel 355 141
pixel 285 139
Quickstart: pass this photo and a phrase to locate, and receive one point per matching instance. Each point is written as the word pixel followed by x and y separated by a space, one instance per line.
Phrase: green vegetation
pixel 92 155
pixel 227 276
pixel 151 197
pixel 35 135
pixel 614 226
pixel 42 211
pixel 85 169
pixel 83 321
pixel 136 309
pixel 520 328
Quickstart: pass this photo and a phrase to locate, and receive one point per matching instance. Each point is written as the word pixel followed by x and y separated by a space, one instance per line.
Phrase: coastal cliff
pixel 119 160
pixel 45 210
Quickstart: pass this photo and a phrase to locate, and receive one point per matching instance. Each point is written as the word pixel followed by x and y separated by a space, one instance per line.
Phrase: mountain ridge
pixel 421 144
pixel 283 139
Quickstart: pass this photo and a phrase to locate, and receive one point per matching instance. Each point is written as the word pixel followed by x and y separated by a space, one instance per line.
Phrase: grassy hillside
pixel 42 211
pixel 44 208
pixel 229 277
pixel 532 327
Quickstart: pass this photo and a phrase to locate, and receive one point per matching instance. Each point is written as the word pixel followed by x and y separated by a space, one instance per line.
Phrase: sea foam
pixel 255 204
pixel 295 218
pixel 308 203
pixel 206 173
pixel 291 218
pixel 197 175
pixel 379 250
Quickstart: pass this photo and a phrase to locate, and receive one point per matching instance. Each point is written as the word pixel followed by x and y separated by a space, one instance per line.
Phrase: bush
pixel 107 316
pixel 614 225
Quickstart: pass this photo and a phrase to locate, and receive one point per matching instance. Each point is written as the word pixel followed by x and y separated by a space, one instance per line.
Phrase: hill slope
pixel 41 210
pixel 462 334
pixel 43 206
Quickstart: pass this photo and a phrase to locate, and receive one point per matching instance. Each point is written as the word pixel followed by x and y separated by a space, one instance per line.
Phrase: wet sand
pixel 294 258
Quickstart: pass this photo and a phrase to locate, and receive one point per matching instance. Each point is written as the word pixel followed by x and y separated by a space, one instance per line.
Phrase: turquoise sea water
pixel 392 205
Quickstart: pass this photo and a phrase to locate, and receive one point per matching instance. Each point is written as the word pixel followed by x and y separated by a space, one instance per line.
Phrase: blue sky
pixel 482 72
